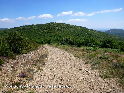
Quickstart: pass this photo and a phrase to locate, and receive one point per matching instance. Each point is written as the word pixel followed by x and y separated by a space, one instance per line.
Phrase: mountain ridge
pixel 117 32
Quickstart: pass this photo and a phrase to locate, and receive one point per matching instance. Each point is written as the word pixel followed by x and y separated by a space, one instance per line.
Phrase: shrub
pixel 121 46
pixel 16 42
pixel 22 75
pixel 1 62
pixel 109 43
pixel 4 48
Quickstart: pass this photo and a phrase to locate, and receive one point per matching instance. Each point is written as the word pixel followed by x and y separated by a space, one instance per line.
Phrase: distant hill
pixel 3 28
pixel 118 32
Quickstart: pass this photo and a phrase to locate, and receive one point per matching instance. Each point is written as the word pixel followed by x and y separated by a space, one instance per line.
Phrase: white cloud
pixel 105 11
pixel 5 20
pixel 76 20
pixel 88 14
pixel 31 17
pixel 65 13
pixel 21 18
pixel 79 14
pixel 79 22
pixel 45 16
pixel 69 13
pixel 24 18
pixel 91 14
pixel 72 21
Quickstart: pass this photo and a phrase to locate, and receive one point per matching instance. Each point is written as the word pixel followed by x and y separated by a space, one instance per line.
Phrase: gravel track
pixel 63 73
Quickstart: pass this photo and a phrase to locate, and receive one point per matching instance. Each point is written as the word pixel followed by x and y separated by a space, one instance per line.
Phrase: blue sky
pixel 96 14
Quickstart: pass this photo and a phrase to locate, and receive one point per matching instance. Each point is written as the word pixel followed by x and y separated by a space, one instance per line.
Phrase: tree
pixel 16 42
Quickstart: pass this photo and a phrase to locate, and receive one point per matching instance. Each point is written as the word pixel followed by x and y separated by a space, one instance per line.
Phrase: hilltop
pixel 66 34
pixel 19 40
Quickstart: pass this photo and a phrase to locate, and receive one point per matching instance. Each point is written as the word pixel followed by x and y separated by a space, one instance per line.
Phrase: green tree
pixel 16 42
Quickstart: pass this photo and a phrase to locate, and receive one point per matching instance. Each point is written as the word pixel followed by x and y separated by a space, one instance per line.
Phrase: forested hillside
pixel 58 33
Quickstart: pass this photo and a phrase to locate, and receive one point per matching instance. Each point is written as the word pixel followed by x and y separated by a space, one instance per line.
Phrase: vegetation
pixel 102 50
pixel 109 62
pixel 1 62
pixel 66 34
pixel 14 43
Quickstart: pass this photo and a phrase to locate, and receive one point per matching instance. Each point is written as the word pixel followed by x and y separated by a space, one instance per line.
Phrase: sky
pixel 95 14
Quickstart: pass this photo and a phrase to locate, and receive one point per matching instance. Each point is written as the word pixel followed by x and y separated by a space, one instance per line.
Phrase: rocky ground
pixel 62 73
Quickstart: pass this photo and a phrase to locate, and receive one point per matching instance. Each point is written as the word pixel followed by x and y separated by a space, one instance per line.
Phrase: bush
pixel 121 46
pixel 14 44
pixel 110 43
pixel 1 62
pixel 4 48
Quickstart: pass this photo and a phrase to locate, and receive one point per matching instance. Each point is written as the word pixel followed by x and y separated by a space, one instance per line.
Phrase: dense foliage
pixel 13 43
pixel 54 33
